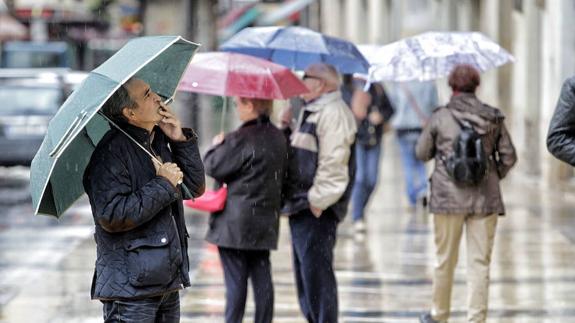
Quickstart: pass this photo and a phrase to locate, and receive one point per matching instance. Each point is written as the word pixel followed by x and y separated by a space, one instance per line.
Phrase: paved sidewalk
pixel 384 276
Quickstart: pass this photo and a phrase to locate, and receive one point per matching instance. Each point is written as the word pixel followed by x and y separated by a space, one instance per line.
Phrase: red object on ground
pixel 232 74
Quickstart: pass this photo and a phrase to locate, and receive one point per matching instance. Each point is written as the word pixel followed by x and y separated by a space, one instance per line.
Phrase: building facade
pixel 536 32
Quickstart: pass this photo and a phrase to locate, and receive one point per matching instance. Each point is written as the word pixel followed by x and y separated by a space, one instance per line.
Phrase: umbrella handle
pixel 64 140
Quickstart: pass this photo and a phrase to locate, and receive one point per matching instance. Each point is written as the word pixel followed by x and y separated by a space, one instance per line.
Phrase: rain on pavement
pixel 46 265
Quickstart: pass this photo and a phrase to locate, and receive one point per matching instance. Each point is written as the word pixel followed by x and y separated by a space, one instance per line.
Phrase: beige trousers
pixel 480 233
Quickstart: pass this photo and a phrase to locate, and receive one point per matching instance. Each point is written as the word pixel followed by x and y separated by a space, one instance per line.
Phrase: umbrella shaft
pixel 185 189
pixel 130 137
pixel 224 112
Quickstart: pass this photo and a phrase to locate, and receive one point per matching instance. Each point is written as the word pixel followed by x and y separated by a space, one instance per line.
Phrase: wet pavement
pixel 384 275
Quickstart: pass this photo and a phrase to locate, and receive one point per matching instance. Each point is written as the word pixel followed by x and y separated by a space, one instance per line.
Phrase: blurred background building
pixel 536 32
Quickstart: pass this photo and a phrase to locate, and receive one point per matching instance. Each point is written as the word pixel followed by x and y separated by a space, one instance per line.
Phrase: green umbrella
pixel 58 167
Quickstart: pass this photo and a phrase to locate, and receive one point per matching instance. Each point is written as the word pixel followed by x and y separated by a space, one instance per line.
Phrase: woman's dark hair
pixel 262 106
pixel 116 103
pixel 464 78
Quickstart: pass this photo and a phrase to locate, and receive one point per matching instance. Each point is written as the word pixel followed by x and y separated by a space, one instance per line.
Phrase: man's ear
pixel 321 87
pixel 128 113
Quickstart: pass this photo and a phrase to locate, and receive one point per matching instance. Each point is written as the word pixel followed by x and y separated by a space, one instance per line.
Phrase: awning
pixel 284 11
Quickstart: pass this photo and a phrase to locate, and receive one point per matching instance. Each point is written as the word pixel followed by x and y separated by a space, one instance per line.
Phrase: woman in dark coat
pixel 457 206
pixel 252 162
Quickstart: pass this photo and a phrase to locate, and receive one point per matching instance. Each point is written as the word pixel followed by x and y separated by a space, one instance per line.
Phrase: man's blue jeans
pixel 367 171
pixel 413 169
pixel 313 241
pixel 159 309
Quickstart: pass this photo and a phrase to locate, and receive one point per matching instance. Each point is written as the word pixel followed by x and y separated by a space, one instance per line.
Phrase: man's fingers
pixel 167 115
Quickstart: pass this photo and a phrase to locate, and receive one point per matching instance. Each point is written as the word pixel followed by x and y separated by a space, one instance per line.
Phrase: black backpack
pixel 468 163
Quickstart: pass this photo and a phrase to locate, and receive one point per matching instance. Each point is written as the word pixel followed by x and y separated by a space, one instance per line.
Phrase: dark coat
pixel 436 141
pixel 252 162
pixel 140 229
pixel 561 135
pixel 370 135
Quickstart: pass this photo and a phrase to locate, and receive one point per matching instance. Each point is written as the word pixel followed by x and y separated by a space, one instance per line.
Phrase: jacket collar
pixel 263 119
pixel 468 103
pixel 465 107
pixel 141 135
pixel 322 101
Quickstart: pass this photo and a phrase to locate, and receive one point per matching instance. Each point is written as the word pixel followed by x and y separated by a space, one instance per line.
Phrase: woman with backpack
pixel 472 151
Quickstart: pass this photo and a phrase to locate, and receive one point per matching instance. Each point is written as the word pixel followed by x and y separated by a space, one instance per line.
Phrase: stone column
pixel 505 40
pixel 379 21
pixel 489 25
pixel 354 21
pixel 395 9
pixel 331 17
pixel 532 137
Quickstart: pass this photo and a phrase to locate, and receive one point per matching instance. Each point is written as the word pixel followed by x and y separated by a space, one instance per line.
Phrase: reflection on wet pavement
pixel 384 275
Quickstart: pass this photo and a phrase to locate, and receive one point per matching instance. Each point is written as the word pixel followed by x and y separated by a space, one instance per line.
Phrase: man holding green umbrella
pixel 136 203
pixel 116 140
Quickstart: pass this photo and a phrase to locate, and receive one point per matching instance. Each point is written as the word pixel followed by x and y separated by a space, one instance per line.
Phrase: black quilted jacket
pixel 561 135
pixel 140 228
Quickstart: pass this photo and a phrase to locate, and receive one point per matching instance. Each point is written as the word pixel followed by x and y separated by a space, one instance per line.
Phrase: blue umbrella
pixel 58 167
pixel 297 48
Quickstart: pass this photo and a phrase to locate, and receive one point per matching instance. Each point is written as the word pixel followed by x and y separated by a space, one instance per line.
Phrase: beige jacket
pixel 437 140
pixel 335 128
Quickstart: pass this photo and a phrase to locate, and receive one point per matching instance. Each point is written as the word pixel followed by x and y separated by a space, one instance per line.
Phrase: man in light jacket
pixel 320 173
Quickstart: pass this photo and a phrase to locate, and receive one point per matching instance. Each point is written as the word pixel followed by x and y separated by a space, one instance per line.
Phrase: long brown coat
pixel 437 140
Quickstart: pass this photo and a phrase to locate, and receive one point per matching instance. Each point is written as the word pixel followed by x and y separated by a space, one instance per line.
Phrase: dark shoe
pixel 427 318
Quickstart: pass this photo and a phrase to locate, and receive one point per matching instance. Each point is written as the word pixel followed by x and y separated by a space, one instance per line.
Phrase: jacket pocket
pixel 149 261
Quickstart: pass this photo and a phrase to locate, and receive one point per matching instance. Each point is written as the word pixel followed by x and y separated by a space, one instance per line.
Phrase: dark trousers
pixel 313 240
pixel 158 309
pixel 239 265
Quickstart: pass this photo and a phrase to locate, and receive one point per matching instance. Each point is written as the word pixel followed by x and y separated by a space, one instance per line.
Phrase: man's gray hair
pixel 328 73
pixel 117 102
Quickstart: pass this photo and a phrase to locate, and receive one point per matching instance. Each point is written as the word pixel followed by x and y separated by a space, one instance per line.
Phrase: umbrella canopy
pixel 58 167
pixel 231 74
pixel 297 48
pixel 433 55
